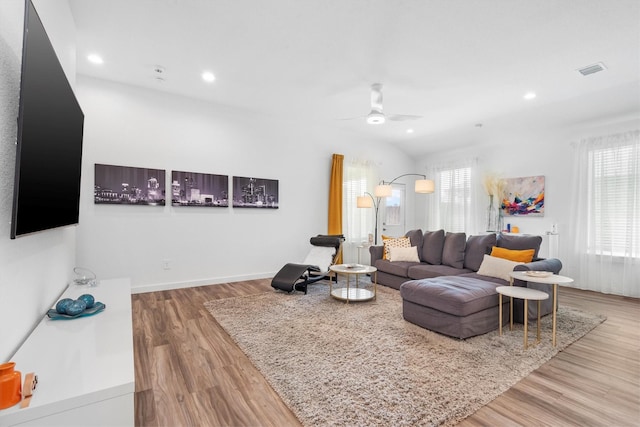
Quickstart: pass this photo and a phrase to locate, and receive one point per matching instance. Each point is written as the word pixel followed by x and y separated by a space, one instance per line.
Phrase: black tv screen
pixel 49 147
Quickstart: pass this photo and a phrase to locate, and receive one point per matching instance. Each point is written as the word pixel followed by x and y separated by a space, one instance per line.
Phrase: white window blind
pixel 455 198
pixel 614 200
pixel 604 237
pixel 357 223
pixel 357 227
pixel 450 206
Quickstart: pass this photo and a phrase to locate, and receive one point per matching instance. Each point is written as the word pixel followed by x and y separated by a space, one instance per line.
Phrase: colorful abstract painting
pixel 523 196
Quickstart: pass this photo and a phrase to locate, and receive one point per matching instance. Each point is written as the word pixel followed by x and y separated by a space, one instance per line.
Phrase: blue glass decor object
pixel 88 299
pixel 76 307
pixel 61 306
pixel 97 308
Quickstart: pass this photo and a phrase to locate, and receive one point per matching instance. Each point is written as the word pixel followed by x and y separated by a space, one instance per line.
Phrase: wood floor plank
pixel 145 412
pixel 189 372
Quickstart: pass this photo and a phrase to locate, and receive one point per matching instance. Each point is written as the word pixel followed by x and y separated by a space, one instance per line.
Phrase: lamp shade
pixel 425 186
pixel 384 190
pixel 364 202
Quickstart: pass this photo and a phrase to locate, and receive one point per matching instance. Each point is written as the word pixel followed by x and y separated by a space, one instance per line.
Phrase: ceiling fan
pixel 376 116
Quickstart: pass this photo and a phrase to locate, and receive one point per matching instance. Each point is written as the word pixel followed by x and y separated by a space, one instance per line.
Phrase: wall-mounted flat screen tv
pixel 49 147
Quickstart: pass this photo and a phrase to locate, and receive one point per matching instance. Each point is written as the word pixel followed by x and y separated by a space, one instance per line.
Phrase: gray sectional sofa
pixel 444 291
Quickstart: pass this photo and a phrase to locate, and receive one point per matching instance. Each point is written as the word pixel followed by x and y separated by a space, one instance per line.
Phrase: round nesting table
pixel 553 280
pixel 525 294
pixel 356 293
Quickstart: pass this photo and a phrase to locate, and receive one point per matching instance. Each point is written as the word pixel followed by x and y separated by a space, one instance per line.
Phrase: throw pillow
pixel 400 242
pixel 404 254
pixel 415 236
pixel 477 248
pixel 525 255
pixel 432 244
pixel 497 267
pixel 453 251
pixel 520 242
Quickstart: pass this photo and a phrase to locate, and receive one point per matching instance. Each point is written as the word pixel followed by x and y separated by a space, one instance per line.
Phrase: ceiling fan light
pixel 375 118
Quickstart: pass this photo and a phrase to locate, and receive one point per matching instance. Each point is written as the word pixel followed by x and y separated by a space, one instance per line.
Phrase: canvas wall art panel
pixel 199 189
pixel 124 185
pixel 255 192
pixel 523 196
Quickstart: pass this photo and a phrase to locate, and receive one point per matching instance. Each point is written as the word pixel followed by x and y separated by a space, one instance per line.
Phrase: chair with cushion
pixel 325 251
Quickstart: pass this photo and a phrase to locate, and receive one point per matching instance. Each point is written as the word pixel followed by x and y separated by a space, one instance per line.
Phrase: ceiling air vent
pixel 591 69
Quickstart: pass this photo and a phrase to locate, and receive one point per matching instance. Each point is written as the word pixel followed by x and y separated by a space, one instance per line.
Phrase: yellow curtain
pixel 335 198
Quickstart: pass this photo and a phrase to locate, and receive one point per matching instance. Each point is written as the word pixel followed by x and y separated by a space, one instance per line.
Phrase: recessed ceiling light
pixel 530 95
pixel 95 59
pixel 208 76
pixel 409 130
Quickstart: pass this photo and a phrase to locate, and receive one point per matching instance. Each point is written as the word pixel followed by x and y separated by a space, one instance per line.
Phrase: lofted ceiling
pixel 456 63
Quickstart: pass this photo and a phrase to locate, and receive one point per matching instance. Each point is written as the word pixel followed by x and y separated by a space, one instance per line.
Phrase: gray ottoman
pixel 460 307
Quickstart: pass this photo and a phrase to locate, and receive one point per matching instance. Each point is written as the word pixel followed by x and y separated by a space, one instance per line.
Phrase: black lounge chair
pixel 324 252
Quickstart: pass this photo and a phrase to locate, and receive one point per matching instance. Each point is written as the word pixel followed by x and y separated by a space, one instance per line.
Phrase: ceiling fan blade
pixel 402 117
pixel 353 118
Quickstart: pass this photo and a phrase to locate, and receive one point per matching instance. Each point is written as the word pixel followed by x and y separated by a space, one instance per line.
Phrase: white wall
pixel 533 151
pixel 138 127
pixel 34 269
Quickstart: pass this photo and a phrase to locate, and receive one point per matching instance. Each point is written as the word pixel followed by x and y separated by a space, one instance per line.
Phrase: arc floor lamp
pixel 384 189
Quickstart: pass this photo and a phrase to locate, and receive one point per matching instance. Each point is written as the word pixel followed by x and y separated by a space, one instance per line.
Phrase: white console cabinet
pixel 84 366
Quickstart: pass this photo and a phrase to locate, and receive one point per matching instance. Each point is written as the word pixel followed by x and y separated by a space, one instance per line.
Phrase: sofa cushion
pixel 398 268
pixel 525 255
pixel 497 267
pixel 477 247
pixel 426 271
pixel 520 242
pixel 472 275
pixel 415 236
pixel 455 295
pixel 400 242
pixel 409 254
pixel 432 245
pixel 453 250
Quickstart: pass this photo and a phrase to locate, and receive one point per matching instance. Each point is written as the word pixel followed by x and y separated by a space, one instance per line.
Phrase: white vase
pixel 493 216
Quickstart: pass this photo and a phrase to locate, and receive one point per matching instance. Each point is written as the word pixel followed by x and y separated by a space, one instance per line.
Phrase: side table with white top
pixel 350 293
pixel 548 279
pixel 525 294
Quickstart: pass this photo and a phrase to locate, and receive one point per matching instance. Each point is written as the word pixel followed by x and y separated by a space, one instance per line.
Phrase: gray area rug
pixel 363 364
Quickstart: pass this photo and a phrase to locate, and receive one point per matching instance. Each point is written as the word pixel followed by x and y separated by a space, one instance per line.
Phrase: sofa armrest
pixel 550 264
pixel 376 253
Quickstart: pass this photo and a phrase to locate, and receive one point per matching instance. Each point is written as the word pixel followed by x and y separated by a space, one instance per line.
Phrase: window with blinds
pixel 455 198
pixel 356 222
pixel 614 200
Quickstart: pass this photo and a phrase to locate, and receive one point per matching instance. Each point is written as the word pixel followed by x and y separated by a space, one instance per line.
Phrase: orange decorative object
pixel 515 229
pixel 10 385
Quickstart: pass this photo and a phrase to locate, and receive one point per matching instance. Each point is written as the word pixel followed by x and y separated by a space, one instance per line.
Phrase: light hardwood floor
pixel 190 373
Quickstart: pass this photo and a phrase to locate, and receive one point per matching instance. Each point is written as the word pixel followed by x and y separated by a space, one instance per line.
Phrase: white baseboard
pixel 139 289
